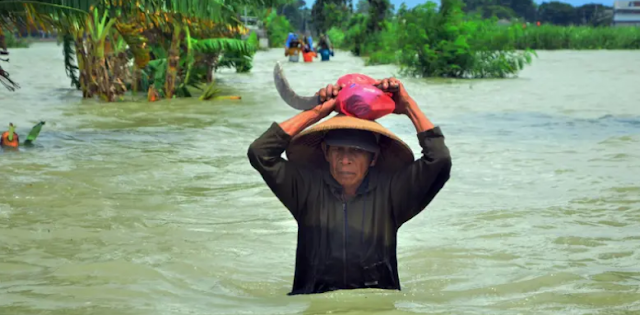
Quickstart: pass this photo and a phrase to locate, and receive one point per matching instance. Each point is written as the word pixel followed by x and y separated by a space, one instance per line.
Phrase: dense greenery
pixel 12 42
pixel 474 38
pixel 165 48
pixel 430 41
pixel 278 27
pixel 552 12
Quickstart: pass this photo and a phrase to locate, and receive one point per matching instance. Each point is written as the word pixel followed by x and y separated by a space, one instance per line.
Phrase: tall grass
pixel 552 37
pixel 13 42
pixel 278 29
pixel 427 41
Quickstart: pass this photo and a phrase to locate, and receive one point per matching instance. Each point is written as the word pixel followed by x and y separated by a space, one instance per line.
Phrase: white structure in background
pixel 626 13
pixel 255 26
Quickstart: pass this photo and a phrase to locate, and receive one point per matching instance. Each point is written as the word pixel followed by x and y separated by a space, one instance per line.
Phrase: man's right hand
pixel 302 120
pixel 328 97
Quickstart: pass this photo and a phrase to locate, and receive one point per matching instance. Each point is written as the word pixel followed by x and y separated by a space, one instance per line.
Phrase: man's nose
pixel 345 160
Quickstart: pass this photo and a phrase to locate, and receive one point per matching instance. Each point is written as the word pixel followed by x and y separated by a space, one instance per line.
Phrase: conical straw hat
pixel 306 147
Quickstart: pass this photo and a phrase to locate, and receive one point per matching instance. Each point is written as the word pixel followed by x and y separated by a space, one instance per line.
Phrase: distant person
pixel 293 48
pixel 325 48
pixel 309 40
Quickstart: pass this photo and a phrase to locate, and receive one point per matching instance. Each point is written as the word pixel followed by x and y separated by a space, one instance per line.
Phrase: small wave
pixel 526 125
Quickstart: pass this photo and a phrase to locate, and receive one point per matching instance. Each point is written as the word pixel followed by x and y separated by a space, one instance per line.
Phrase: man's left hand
pixel 400 95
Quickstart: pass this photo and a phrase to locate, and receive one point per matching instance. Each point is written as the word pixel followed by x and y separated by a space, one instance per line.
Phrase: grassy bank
pixel 13 42
pixel 490 35
pixel 431 41
pixel 552 37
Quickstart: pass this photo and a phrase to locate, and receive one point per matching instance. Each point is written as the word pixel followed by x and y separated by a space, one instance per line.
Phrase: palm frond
pixel 45 14
pixel 69 59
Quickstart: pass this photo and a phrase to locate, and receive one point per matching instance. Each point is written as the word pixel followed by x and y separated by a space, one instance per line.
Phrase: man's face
pixel 348 165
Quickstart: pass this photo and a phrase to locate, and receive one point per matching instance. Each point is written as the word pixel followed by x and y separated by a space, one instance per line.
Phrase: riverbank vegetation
pixel 470 38
pixel 431 41
pixel 164 49
pixel 11 41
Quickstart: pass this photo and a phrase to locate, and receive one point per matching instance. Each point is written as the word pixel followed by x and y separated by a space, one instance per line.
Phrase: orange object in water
pixel 308 56
pixel 152 94
pixel 5 140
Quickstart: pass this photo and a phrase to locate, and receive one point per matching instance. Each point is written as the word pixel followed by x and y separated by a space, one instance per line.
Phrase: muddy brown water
pixel 138 208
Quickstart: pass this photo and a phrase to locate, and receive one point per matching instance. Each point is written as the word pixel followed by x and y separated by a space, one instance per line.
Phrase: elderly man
pixel 350 184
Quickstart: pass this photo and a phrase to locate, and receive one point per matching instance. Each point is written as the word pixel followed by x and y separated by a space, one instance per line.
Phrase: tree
pixel 379 11
pixel 328 13
pixel 558 13
pixel 594 14
pixel 160 35
pixel 525 9
pixel 362 7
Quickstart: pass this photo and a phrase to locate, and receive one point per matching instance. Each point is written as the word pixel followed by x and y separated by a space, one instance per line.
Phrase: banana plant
pixel 94 26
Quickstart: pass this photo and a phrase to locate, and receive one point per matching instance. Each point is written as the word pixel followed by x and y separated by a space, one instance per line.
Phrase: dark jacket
pixel 349 245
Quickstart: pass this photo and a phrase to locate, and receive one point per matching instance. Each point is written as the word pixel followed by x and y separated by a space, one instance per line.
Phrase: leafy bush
pixel 278 28
pixel 13 42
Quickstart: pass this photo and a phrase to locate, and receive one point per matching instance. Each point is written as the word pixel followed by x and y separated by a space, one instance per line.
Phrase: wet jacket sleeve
pixel 415 186
pixel 287 181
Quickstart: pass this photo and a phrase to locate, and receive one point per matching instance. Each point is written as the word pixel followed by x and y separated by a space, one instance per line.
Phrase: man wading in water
pixel 350 184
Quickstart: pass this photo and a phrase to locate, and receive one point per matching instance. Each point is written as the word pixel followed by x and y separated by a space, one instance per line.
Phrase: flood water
pixel 152 208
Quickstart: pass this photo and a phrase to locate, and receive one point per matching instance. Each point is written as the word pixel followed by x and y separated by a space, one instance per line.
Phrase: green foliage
pixel 155 74
pixel 12 42
pixel 210 92
pixel 379 13
pixel 69 53
pixel 383 47
pixel 329 13
pixel 278 28
pixel 336 15
pixel 217 45
pixel 241 59
pixel 502 8
pixel 444 43
pixel 552 37
pixel 336 36
pixel 355 36
pixel 558 13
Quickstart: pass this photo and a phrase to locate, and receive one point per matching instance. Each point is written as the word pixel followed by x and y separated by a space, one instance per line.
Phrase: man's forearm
pixel 418 118
pixel 301 121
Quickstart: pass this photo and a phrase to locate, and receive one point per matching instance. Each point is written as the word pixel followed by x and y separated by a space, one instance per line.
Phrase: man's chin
pixel 349 176
pixel 346 179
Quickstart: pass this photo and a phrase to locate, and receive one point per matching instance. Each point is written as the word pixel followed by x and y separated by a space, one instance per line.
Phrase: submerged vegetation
pixel 428 41
pixel 11 41
pixel 555 37
pixel 164 49
pixel 172 48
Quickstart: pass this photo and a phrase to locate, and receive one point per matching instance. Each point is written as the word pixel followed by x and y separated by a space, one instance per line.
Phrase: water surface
pixel 153 208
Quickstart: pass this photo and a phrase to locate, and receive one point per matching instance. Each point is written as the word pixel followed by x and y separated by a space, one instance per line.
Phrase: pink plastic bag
pixel 357 78
pixel 361 99
pixel 364 101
